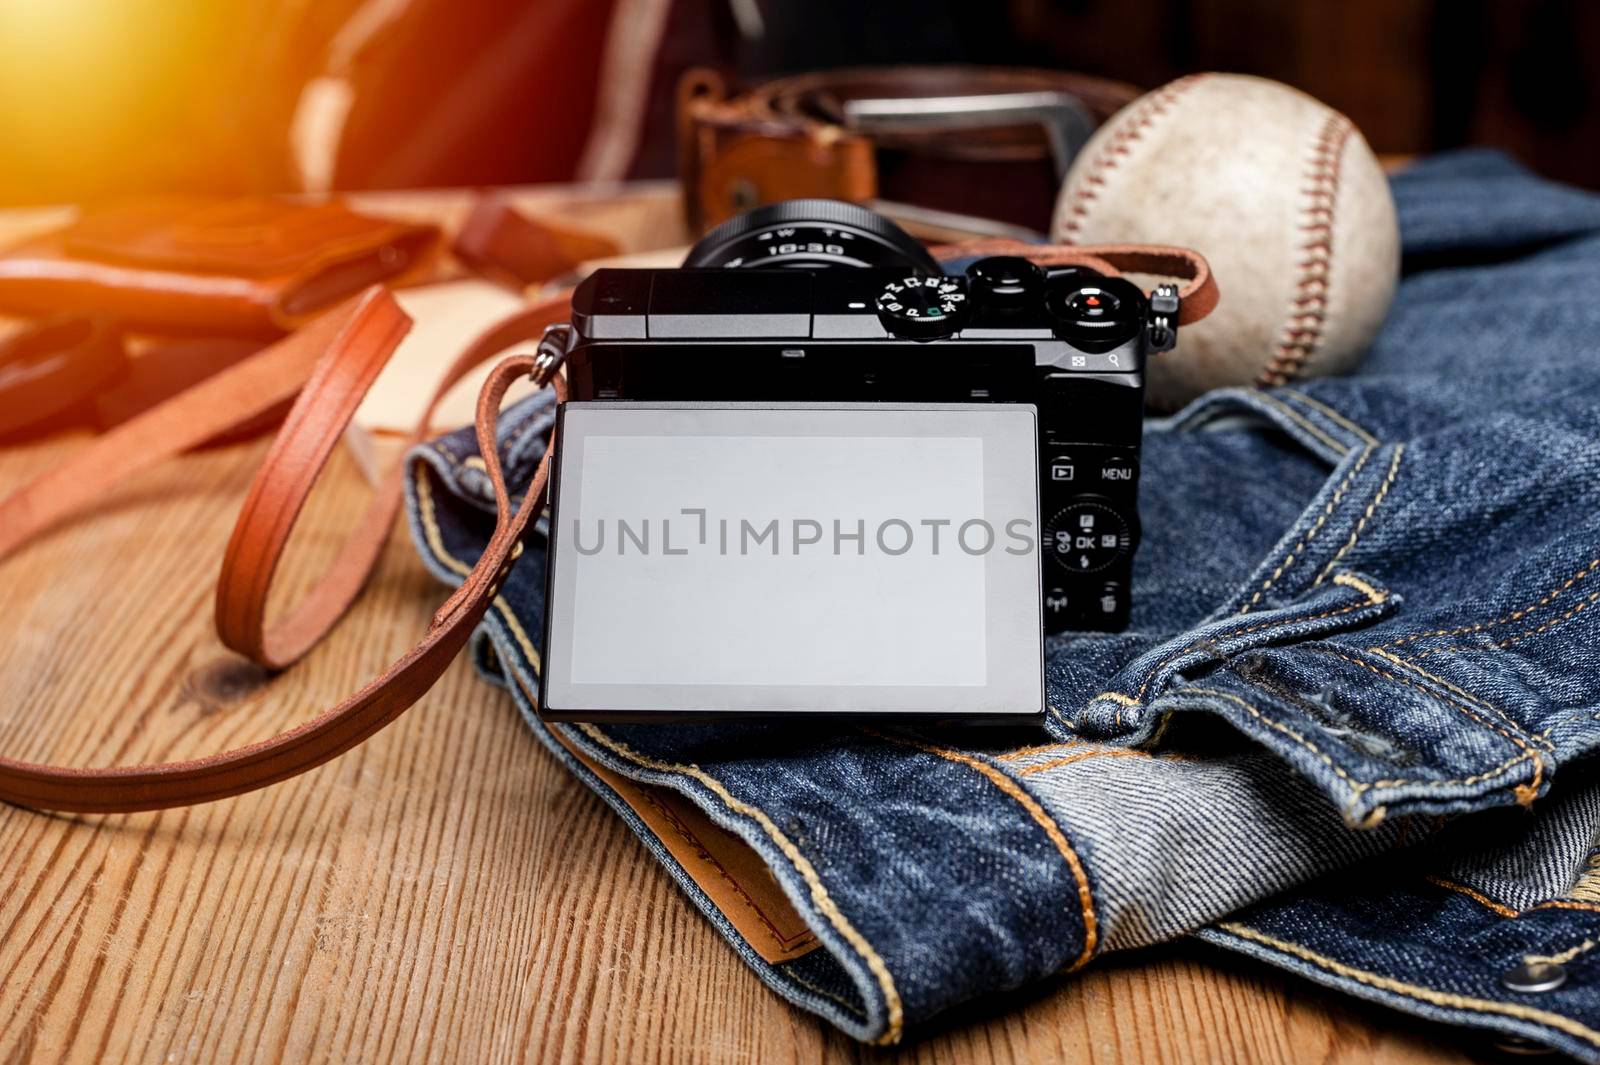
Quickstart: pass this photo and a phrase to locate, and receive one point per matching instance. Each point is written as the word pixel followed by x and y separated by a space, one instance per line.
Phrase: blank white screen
pixel 710 617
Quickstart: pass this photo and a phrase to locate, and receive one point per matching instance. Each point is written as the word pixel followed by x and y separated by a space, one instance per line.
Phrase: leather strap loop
pixel 353 343
pixel 291 470
pixel 1198 293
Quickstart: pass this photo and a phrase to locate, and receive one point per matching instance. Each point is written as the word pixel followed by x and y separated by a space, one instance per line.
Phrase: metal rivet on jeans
pixel 1533 977
pixel 1523 1048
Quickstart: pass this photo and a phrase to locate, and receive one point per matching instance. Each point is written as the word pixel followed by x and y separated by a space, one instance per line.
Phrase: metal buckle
pixel 551 353
pixel 1067 124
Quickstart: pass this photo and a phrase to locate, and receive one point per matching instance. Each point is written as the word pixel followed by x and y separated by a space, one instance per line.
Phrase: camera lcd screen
pixel 717 559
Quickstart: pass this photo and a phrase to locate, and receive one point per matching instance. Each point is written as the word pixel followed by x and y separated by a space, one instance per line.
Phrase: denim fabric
pixel 1345 731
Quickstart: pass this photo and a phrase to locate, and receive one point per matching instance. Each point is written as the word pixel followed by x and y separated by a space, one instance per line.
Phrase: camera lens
pixel 811 234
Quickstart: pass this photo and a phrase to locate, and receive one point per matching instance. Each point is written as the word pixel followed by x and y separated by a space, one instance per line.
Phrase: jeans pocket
pixel 1280 659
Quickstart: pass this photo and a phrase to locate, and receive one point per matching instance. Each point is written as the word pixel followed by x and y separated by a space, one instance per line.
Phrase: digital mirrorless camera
pixel 818 300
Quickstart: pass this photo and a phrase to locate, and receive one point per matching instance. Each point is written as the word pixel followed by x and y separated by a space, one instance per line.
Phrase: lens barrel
pixel 810 234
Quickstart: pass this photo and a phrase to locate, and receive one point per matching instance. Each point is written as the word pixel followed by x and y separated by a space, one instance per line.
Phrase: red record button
pixel 1092 303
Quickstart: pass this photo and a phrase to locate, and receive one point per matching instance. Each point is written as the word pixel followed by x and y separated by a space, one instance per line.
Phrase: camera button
pixel 1005 282
pixel 1086 536
pixel 1117 471
pixel 1092 304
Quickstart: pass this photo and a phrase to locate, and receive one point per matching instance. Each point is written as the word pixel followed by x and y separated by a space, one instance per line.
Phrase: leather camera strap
pixel 330 364
pixel 1198 293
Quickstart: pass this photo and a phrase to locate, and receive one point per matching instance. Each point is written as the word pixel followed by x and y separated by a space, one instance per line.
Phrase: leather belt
pixel 330 363
pixel 988 141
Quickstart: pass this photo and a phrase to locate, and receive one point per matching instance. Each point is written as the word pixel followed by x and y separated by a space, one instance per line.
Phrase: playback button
pixel 1093 470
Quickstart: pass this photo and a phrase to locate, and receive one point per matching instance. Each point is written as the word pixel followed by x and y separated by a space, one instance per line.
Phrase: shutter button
pixel 1535 977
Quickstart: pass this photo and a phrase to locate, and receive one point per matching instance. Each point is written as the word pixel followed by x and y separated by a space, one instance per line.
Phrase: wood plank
pixel 446 891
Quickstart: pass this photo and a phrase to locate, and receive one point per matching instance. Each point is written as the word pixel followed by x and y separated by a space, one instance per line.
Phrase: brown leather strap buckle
pixel 835 135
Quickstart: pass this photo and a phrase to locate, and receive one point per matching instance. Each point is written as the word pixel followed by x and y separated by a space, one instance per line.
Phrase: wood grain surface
pixel 446 892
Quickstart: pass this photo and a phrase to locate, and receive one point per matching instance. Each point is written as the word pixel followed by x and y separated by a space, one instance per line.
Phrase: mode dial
pixel 923 306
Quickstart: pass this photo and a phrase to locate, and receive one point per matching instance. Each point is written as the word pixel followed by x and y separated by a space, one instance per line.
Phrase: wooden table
pixel 446 891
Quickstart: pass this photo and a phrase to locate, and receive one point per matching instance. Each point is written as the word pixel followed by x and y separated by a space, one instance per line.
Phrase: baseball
pixel 1283 197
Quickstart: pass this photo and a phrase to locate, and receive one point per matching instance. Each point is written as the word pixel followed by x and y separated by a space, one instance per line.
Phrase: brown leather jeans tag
pixel 722 864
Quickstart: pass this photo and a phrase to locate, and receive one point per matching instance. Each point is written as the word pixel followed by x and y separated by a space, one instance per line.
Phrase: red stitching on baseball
pixel 1308 308
pixel 1120 144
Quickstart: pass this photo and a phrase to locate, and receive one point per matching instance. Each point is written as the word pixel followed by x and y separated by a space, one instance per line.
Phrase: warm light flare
pixel 99 97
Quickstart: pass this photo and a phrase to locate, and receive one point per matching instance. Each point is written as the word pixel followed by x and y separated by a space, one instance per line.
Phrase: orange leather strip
pixel 336 358
pixel 1198 292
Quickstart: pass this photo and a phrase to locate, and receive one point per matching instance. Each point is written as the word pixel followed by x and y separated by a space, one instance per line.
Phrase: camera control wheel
pixel 1087 536
pixel 1005 282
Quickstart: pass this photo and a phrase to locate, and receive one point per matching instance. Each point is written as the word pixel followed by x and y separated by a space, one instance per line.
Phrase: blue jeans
pixel 1343 732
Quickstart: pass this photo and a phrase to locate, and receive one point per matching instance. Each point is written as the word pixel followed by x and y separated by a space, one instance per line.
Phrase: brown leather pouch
pixel 239 267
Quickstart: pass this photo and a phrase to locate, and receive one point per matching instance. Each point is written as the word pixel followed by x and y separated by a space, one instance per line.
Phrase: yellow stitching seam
pixel 1471 698
pixel 1538 763
pixel 1357 787
pixel 1476 778
pixel 819 894
pixel 1355 535
pixel 1567 904
pixel 1360 786
pixel 1350 580
pixel 430 527
pixel 1375 598
pixel 1476 896
pixel 1519 637
pixel 1307 424
pixel 1506 911
pixel 1043 748
pixel 1091 924
pixel 1062 718
pixel 1423 994
pixel 430 532
pixel 1083 756
pixel 1371 440
pixel 1515 615
pixel 1564 957
pixel 1547 626
pixel 1311 533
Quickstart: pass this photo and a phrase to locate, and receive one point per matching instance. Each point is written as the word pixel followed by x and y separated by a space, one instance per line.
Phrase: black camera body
pixel 827 302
